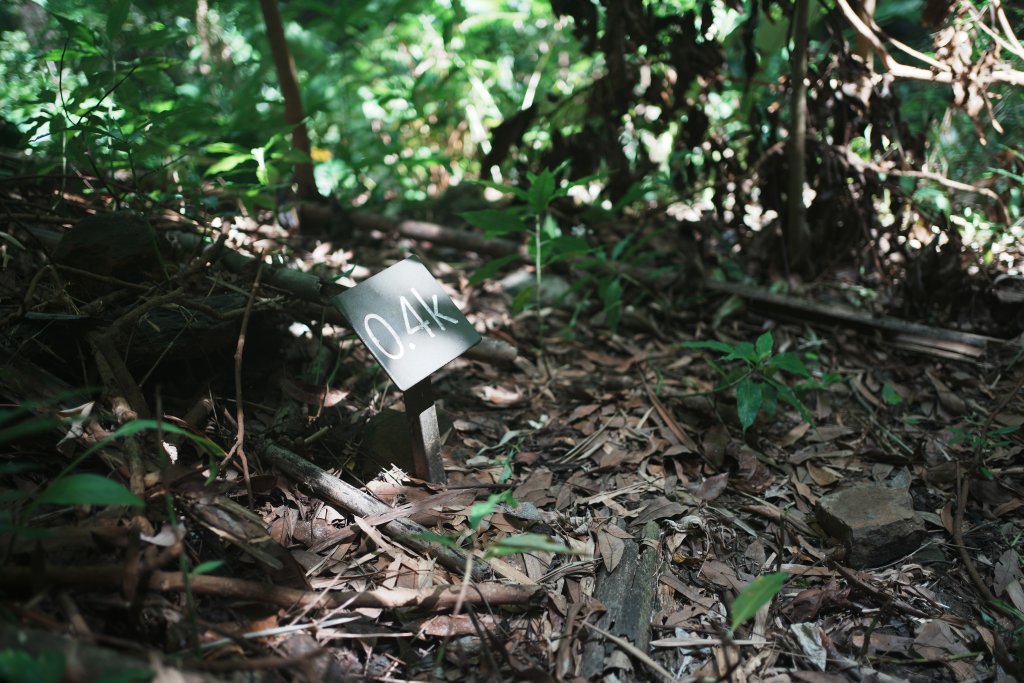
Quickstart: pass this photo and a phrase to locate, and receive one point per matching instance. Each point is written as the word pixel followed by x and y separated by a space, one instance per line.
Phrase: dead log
pixel 628 594
pixel 935 341
pixel 438 234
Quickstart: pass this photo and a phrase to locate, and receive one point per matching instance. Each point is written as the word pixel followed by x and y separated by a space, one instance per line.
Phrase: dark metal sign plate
pixel 407 322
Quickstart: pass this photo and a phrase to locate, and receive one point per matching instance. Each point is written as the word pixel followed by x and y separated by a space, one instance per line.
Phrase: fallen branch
pixel 935 341
pixel 432 232
pixel 905 607
pixel 358 502
pixel 110 577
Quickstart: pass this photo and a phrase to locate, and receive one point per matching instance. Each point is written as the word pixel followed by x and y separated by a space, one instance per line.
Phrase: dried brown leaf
pixel 611 549
pixel 659 508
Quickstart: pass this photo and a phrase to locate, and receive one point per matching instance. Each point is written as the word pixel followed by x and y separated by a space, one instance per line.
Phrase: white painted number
pixel 391 331
pixel 435 314
pixel 397 350
pixel 406 310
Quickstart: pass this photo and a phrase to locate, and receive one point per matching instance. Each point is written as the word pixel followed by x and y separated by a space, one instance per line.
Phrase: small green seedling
pixel 518 543
pixel 755 596
pixel 890 395
pixel 754 376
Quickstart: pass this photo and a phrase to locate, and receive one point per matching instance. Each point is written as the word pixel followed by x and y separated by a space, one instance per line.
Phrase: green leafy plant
pixel 70 487
pixel 603 268
pixel 755 375
pixel 516 543
pixel 18 666
pixel 977 437
pixel 755 596
pixel 533 216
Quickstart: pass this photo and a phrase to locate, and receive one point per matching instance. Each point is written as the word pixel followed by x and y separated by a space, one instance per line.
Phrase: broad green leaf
pixel 890 395
pixel 523 299
pixel 549 230
pixel 207 567
pixel 791 363
pixel 88 489
pixel 620 246
pixel 223 148
pixel 116 17
pixel 496 221
pixel 787 395
pixel 541 192
pixel 748 402
pixel 478 511
pixel 743 350
pixel 566 246
pixel 521 543
pixel 228 163
pixel 611 296
pixel 755 596
pixel 764 344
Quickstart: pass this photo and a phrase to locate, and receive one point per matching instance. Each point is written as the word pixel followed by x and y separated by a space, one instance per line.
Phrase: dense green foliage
pixel 680 103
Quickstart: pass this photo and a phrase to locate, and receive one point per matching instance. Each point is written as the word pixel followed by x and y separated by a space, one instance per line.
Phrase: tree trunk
pixel 293 112
pixel 798 236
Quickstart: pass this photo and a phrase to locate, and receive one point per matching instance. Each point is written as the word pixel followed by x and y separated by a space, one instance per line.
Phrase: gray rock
pixel 874 523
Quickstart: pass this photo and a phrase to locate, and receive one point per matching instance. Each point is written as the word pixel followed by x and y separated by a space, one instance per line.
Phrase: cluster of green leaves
pixel 398 93
pixel 974 437
pixel 755 376
pixel 18 666
pixel 532 214
pixel 71 487
pixel 508 545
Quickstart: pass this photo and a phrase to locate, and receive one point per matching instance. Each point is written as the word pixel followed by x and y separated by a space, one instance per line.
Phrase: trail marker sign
pixel 407 321
pixel 413 329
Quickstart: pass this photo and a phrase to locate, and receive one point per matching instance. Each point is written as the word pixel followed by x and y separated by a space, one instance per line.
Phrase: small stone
pixel 875 523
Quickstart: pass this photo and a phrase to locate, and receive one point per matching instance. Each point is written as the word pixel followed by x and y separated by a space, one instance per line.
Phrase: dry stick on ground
pixel 110 577
pixel 239 447
pixel 357 502
pixel 639 654
pixel 852 577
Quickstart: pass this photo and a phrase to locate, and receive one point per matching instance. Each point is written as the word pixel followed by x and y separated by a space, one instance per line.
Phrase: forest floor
pixel 648 508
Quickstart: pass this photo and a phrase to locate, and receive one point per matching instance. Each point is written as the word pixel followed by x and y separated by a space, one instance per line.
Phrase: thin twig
pixel 633 650
pixel 239 447
pixel 860 583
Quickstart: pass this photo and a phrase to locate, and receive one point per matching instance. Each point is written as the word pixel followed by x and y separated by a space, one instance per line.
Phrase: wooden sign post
pixel 413 329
